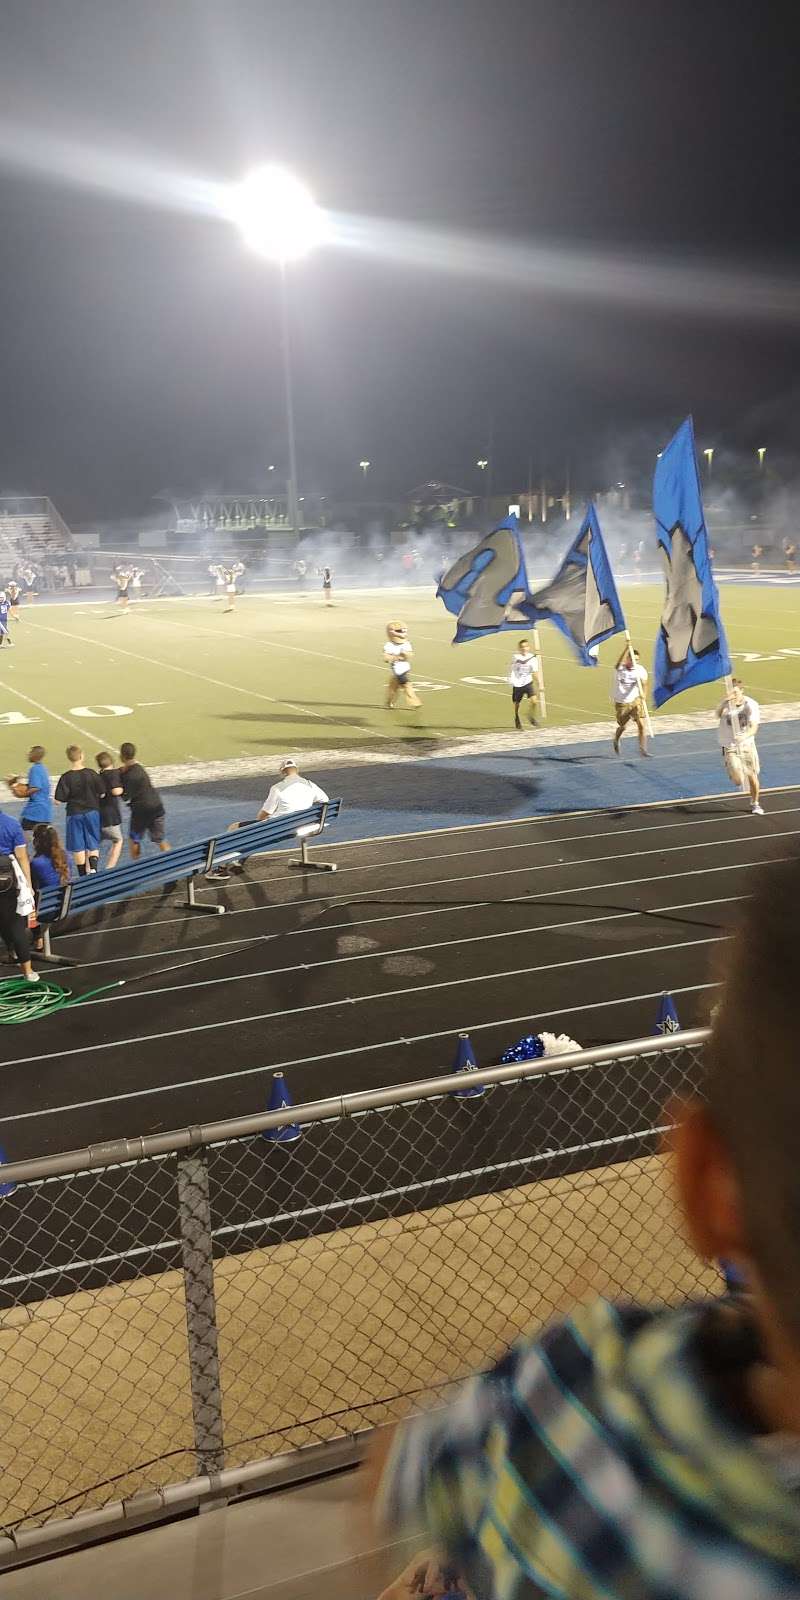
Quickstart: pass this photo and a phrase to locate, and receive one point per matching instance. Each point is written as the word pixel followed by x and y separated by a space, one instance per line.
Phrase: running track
pixel 572 922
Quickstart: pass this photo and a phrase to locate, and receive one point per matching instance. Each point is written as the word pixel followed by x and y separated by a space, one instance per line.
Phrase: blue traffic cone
pixel 5 1188
pixel 667 1020
pixel 464 1061
pixel 279 1098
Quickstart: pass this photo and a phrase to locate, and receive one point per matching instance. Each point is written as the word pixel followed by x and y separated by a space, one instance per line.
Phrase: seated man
pixel 291 793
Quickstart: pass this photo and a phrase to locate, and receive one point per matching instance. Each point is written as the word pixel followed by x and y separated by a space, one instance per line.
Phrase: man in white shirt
pixel 290 793
pixel 739 717
pixel 630 678
pixel 524 668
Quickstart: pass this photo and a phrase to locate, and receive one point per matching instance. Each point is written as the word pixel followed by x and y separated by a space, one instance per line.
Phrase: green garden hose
pixel 21 1001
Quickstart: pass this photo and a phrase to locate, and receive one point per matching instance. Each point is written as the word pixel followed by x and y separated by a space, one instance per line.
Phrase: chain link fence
pixel 177 1310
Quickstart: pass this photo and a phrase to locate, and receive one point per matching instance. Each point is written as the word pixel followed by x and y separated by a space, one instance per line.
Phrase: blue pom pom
pixel 528 1049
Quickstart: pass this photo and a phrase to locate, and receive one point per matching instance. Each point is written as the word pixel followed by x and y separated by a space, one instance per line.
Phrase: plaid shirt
pixel 610 1460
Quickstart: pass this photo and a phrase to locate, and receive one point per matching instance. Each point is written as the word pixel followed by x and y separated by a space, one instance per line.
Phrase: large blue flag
pixel 485 587
pixel 582 599
pixel 691 647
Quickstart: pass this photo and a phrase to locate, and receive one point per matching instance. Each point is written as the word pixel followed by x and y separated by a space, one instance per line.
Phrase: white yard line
pixel 187 672
pixel 102 744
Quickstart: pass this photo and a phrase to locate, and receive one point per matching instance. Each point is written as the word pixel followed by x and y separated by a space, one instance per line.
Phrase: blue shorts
pixel 83 831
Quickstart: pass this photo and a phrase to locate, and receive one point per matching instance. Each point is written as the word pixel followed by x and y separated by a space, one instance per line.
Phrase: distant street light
pixel 483 464
pixel 272 468
pixel 279 219
pixel 761 452
pixel 709 455
pixel 365 466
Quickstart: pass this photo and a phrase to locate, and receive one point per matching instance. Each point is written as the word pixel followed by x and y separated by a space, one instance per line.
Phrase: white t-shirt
pixel 398 657
pixel 523 669
pixel 292 793
pixel 747 715
pixel 629 683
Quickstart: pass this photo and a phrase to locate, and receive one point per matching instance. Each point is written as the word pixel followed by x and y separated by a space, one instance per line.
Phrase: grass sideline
pixel 191 684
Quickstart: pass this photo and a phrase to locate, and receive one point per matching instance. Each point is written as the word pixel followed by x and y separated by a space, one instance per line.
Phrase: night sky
pixel 139 346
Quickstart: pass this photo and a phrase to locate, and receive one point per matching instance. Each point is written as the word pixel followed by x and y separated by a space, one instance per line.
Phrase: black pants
pixel 13 928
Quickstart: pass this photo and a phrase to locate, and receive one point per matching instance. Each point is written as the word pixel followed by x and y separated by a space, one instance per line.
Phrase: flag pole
pixel 643 697
pixel 542 698
pixel 737 729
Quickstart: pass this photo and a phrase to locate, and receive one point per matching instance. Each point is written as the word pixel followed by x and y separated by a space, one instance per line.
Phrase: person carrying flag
pixel 630 679
pixel 524 668
pixel 739 717
pixel 5 625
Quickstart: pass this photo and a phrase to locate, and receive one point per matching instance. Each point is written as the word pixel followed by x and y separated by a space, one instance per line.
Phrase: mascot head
pixel 396 632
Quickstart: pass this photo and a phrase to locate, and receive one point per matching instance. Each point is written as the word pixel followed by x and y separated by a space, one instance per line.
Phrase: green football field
pixel 189 683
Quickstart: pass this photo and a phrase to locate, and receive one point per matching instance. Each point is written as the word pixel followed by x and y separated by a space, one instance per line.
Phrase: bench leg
pixel 192 905
pixel 46 955
pixel 305 864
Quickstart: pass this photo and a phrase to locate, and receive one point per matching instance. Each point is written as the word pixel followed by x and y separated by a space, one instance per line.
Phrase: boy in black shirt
pixel 110 814
pixel 147 807
pixel 81 792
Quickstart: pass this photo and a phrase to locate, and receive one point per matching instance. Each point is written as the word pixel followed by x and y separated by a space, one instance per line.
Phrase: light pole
pixel 761 452
pixel 709 455
pixel 365 466
pixel 279 219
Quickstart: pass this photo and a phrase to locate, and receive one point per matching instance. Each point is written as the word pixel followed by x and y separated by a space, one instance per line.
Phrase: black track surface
pixel 363 978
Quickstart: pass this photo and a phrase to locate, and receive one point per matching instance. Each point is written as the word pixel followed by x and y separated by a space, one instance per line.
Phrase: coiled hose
pixel 21 1001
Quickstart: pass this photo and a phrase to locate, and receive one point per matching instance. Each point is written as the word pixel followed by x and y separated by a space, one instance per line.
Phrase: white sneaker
pixel 33 977
pixel 757 810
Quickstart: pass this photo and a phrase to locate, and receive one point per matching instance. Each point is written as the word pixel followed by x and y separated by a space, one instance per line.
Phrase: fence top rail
pixel 117 1151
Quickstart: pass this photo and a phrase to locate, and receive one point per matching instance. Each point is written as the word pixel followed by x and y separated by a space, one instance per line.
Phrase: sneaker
pixel 757 810
pixel 217 875
pixel 32 977
pixel 615 746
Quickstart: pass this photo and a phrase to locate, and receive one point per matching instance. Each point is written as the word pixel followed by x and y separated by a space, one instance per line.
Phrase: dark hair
pixel 103 759
pixel 37 752
pixel 753 1081
pixel 47 843
pixel 128 752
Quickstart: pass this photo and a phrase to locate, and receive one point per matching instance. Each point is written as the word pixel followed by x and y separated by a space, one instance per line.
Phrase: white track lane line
pixel 226 945
pixel 360 1000
pixel 337 1055
pixel 586 888
pixel 384 955
pixel 187 672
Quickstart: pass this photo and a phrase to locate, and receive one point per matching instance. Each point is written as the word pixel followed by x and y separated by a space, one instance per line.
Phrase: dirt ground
pixel 318 1337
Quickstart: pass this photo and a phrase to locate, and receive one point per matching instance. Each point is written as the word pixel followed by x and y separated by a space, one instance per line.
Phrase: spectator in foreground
pixel 110 814
pixel 655 1453
pixel 49 864
pixel 81 792
pixel 16 910
pixel 147 807
pixel 34 790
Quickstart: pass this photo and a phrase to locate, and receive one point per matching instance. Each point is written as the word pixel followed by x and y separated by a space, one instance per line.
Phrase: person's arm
pixel 318 795
pixel 625 652
pixel 269 806
pixel 22 857
pixel 62 791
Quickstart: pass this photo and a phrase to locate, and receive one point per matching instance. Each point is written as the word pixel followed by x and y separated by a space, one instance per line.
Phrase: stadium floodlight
pixel 279 219
pixel 276 214
pixel 365 466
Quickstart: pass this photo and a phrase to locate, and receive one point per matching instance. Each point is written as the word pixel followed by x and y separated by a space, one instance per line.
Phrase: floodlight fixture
pixel 276 214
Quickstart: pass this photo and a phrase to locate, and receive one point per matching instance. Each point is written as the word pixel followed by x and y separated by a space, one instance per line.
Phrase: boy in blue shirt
pixel 35 791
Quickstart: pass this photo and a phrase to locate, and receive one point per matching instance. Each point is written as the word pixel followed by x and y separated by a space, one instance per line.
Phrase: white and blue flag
pixel 582 598
pixel 691 647
pixel 485 587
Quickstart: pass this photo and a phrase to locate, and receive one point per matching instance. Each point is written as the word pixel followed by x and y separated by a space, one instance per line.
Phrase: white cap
pixel 288 761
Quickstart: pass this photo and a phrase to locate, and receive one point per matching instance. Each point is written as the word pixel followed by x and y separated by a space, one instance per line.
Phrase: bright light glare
pixel 276 214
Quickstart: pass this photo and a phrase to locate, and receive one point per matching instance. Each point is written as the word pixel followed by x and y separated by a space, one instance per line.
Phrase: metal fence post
pixel 194 1212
